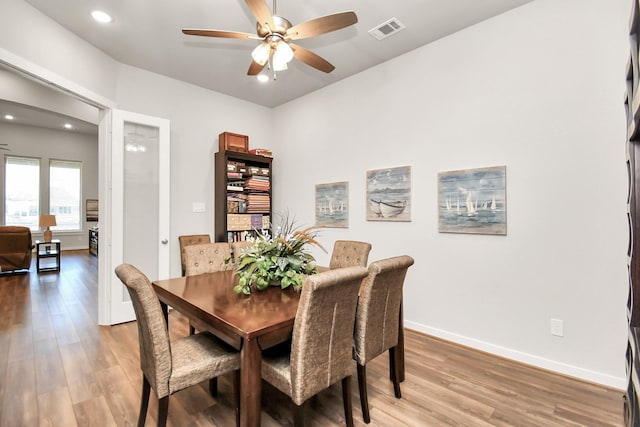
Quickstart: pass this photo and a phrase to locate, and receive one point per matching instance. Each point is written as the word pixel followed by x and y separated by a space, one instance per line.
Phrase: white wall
pixel 47 144
pixel 540 90
pixel 197 117
pixel 18 89
pixel 26 32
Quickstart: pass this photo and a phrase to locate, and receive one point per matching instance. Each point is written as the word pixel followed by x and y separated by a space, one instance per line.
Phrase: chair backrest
pixel 155 349
pixel 378 314
pixel 193 239
pixel 321 348
pixel 238 247
pixel 349 253
pixel 206 258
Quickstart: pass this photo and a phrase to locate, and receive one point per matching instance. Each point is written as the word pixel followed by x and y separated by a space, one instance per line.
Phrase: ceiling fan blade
pixel 262 13
pixel 218 33
pixel 255 68
pixel 322 25
pixel 311 59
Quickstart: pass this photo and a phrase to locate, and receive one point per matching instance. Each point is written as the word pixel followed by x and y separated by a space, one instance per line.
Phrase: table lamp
pixel 47 221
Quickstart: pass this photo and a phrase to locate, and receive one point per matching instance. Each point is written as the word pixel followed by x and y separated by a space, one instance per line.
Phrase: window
pixel 65 193
pixel 22 192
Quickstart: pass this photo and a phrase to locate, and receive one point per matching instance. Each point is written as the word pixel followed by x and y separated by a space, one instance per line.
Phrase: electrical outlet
pixel 557 328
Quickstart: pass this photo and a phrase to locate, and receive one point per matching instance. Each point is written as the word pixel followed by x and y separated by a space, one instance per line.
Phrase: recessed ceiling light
pixel 68 126
pixel 8 117
pixel 101 16
pixel 262 78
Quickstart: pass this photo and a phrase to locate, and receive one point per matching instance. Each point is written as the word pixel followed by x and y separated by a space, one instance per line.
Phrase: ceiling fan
pixel 276 34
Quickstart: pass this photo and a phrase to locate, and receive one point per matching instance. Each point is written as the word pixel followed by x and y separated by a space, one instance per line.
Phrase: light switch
pixel 198 207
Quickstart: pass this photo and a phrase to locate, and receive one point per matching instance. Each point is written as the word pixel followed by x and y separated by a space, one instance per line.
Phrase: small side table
pixel 48 250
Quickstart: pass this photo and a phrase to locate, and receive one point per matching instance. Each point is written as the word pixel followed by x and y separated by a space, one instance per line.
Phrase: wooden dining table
pixel 249 323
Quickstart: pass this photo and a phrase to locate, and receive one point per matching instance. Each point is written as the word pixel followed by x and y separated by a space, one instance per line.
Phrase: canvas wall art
pixel 332 205
pixel 473 201
pixel 389 194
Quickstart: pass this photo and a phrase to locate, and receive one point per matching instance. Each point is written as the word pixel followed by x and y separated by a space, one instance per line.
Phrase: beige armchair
pixel 193 239
pixel 349 253
pixel 321 348
pixel 169 367
pixel 378 320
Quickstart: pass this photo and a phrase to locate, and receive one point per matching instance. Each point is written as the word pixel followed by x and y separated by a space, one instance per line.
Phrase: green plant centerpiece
pixel 279 260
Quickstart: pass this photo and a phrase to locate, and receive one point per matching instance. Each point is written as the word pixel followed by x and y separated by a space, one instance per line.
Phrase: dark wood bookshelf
pixel 233 220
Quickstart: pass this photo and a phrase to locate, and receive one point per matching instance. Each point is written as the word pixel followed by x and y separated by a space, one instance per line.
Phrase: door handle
pixel 164 241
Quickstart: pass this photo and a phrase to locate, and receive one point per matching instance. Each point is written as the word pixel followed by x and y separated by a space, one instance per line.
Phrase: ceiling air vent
pixel 387 29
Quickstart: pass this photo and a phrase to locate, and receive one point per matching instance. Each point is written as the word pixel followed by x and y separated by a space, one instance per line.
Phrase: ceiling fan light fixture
pixel 279 65
pixel 261 53
pixel 283 52
pixel 262 78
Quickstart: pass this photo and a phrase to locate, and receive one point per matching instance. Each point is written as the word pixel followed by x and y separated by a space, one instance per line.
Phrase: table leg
pixel 399 350
pixel 250 383
pixel 165 313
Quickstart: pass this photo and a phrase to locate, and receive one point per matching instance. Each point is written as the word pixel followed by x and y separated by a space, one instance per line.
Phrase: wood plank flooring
pixel 58 368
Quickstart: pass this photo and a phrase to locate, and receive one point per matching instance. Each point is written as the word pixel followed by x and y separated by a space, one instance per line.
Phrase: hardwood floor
pixel 58 368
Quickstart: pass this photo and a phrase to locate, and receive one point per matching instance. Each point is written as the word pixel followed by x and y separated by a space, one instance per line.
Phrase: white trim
pixel 45 76
pixel 518 356
pixel 50 78
pixel 121 310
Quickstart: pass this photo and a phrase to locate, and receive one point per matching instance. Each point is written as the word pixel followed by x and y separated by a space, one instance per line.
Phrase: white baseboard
pixel 540 362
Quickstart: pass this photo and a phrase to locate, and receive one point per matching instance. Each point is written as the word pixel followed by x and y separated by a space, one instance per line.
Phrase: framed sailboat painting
pixel 473 201
pixel 389 194
pixel 332 205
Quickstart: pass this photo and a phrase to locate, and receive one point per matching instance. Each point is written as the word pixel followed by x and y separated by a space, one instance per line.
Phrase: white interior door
pixel 137 220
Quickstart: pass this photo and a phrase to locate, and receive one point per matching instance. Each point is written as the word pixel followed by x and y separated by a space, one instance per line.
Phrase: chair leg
pixel 346 398
pixel 236 395
pixel 298 415
pixel 362 386
pixel 394 372
pixel 192 329
pixel 163 410
pixel 144 402
pixel 213 386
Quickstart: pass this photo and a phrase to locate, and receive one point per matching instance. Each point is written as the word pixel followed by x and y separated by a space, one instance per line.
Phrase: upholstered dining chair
pixel 321 347
pixel 349 253
pixel 238 247
pixel 378 319
pixel 192 239
pixel 167 366
pixel 206 258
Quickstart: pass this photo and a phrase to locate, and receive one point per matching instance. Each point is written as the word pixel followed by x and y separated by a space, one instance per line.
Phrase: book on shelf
pixel 260 183
pixel 244 222
pixel 261 152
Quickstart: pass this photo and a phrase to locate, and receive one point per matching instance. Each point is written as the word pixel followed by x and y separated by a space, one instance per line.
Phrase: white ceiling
pixel 26 115
pixel 147 34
